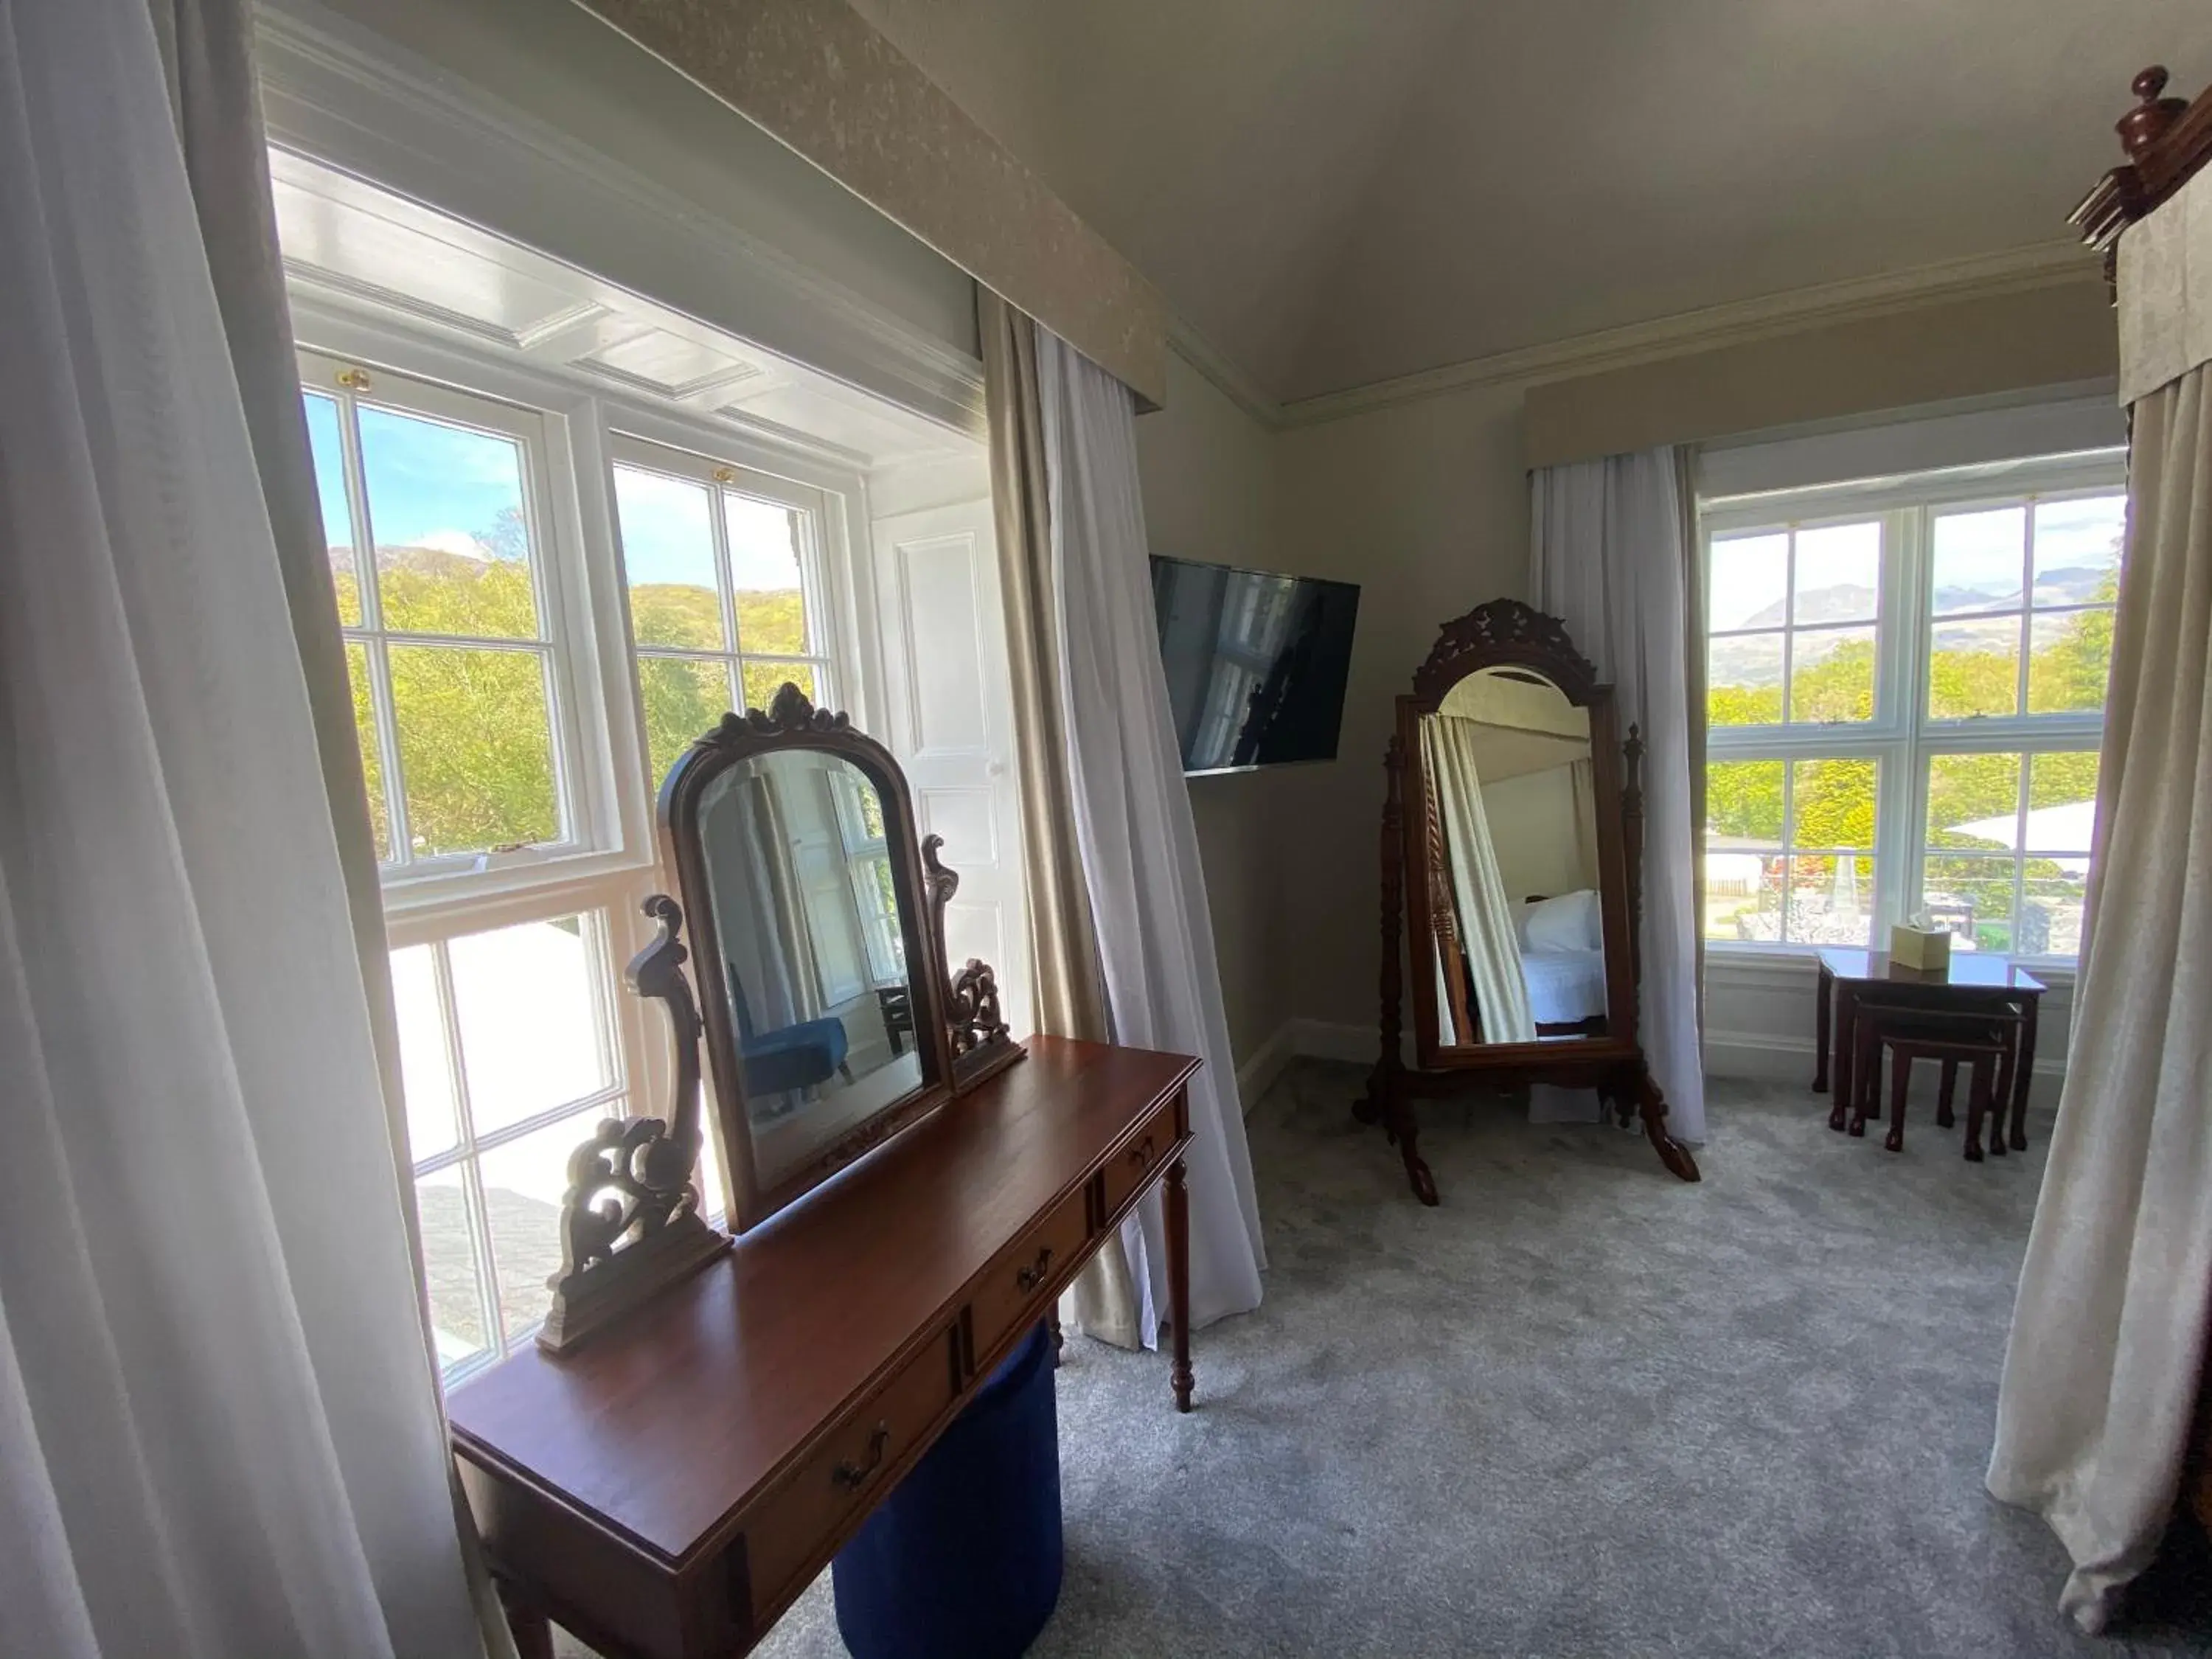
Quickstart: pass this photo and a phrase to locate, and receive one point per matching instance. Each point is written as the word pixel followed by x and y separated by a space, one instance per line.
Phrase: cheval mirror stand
pixel 709 1416
pixel 1512 857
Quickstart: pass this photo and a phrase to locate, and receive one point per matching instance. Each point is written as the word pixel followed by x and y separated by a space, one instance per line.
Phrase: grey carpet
pixel 1581 1409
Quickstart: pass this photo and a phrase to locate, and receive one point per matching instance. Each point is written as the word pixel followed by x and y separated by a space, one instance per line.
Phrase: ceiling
pixel 1334 192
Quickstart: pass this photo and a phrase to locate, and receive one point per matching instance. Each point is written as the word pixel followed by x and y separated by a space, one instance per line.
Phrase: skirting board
pixel 1727 1055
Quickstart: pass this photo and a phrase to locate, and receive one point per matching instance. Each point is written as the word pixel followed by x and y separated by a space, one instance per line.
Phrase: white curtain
pixel 1612 562
pixel 219 1429
pixel 1487 939
pixel 1133 825
pixel 2108 1340
pixel 1582 794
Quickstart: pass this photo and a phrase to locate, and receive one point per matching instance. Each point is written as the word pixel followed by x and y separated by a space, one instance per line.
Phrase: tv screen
pixel 1255 663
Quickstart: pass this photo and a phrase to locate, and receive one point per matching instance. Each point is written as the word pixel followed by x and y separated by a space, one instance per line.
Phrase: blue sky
pixel 432 485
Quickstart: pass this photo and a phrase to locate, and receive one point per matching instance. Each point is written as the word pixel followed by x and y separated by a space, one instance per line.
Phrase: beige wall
pixel 1977 347
pixel 1425 504
pixel 1208 475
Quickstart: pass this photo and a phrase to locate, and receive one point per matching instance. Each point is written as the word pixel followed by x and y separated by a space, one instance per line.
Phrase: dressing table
pixel 707 1419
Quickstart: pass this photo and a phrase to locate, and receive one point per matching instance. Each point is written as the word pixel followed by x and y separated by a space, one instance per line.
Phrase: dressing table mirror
pixel 1511 850
pixel 829 1015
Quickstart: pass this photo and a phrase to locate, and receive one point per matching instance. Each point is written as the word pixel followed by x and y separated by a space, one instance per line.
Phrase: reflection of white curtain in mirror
pixel 1583 781
pixel 1485 916
pixel 778 980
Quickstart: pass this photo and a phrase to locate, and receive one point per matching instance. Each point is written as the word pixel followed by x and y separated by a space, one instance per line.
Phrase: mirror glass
pixel 813 944
pixel 1516 940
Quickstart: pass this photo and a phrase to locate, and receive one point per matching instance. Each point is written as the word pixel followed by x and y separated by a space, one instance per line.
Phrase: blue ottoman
pixel 963 1560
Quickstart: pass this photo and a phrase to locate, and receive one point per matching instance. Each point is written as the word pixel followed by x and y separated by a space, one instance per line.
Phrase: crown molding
pixel 1216 366
pixel 2042 265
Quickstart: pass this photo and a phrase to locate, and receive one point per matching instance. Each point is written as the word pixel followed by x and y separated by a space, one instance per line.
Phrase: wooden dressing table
pixel 705 1419
pixel 670 1488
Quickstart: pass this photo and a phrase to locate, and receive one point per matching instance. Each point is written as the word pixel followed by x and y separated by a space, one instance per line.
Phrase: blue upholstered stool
pixel 963 1560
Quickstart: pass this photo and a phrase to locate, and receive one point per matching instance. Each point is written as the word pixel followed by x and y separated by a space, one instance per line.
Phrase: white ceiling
pixel 357 250
pixel 1337 191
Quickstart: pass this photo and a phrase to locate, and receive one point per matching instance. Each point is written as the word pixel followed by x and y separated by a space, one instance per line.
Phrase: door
pixel 949 700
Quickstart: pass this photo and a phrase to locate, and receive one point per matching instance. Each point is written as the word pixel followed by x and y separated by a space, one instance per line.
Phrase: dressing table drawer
pixel 1147 1152
pixel 1019 1283
pixel 787 1531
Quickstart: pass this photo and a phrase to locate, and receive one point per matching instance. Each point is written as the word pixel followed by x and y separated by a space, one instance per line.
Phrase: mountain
pixel 1844 602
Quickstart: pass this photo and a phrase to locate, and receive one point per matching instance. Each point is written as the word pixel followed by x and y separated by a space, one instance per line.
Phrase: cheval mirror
pixel 829 1017
pixel 1512 848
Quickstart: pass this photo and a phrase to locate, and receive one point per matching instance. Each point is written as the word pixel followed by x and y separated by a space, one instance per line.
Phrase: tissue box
pixel 1925 948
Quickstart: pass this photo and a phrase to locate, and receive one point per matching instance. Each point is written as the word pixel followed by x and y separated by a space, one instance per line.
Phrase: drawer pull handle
pixel 1141 1153
pixel 1033 1275
pixel 853 1476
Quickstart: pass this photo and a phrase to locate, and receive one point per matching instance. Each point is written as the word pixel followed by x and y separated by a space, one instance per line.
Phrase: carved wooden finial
pixel 2152 117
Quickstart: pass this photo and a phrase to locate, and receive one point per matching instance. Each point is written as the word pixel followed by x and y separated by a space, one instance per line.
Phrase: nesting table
pixel 1974 982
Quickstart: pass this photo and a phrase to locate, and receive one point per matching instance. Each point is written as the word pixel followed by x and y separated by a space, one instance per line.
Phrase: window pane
pixel 523 1184
pixel 1974 668
pixel 1832 675
pixel 2077 551
pixel 1743 803
pixel 2051 910
pixel 371 750
pixel 425 1071
pixel 1973 800
pixel 329 450
pixel 668 556
pixel 452 538
pixel 2062 803
pixel 1743 896
pixel 1838 573
pixel 1974 898
pixel 2069 661
pixel 531 1033
pixel 1743 680
pixel 449 1267
pixel 476 747
pixel 684 699
pixel 1830 900
pixel 1834 801
pixel 1747 582
pixel 763 679
pixel 764 542
pixel 1979 560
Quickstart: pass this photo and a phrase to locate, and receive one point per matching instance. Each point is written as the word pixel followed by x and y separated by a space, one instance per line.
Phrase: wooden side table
pixel 1974 982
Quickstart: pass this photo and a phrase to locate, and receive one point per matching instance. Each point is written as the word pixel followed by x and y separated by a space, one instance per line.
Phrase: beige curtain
pixel 1581 790
pixel 1487 936
pixel 2101 1373
pixel 1069 990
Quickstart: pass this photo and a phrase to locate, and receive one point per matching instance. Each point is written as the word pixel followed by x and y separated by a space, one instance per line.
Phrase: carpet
pixel 1580 1409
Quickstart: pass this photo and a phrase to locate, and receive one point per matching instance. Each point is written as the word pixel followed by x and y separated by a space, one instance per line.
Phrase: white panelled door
pixel 951 703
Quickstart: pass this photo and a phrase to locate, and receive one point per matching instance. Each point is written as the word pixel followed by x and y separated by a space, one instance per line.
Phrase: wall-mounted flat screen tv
pixel 1255 663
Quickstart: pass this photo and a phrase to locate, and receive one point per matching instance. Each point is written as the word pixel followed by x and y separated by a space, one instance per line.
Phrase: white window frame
pixel 610 862
pixel 1902 737
pixel 718 473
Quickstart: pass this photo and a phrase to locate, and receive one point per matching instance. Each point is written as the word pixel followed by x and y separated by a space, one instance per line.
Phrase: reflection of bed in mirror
pixel 1513 857
pixel 1563 964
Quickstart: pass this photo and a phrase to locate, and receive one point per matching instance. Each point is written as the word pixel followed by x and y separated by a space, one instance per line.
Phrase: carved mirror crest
pixel 830 1017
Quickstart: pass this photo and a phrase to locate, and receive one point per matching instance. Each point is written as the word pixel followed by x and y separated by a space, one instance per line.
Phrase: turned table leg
pixel 1178 1229
pixel 526 1621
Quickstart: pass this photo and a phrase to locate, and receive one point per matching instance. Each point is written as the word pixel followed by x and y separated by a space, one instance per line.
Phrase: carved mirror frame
pixel 1417 911
pixel 631 1218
